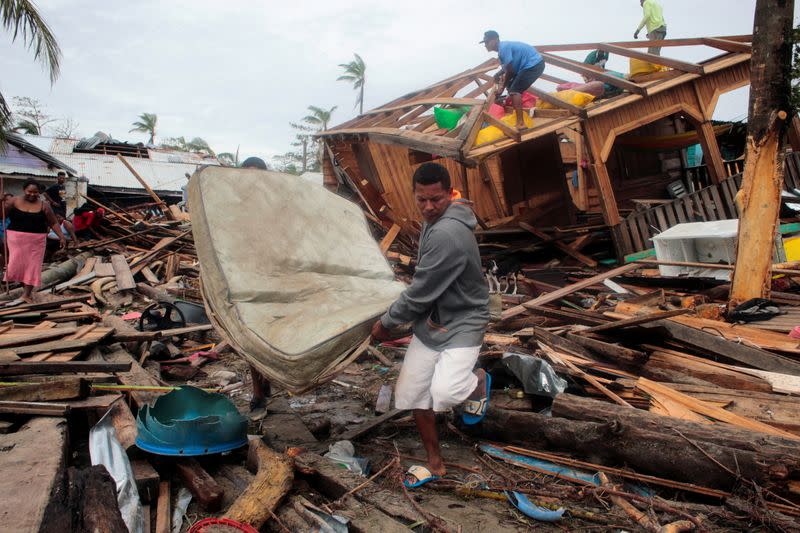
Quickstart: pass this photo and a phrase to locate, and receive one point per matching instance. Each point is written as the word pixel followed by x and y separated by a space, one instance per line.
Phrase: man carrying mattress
pixel 447 302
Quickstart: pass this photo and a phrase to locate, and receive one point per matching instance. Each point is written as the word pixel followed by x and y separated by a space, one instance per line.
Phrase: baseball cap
pixel 488 35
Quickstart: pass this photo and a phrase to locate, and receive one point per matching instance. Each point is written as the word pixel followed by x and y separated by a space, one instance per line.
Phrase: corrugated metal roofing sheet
pixel 165 171
pixel 108 171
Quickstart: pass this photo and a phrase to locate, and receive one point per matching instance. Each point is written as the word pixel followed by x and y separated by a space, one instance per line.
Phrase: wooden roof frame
pixel 407 120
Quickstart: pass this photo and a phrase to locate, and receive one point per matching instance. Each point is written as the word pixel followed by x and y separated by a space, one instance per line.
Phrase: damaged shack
pixel 617 159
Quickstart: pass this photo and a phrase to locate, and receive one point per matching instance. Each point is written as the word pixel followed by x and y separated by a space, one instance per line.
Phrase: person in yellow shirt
pixel 654 20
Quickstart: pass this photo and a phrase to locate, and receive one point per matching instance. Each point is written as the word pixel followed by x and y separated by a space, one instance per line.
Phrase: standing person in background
pixel 31 217
pixel 654 20
pixel 521 65
pixel 56 195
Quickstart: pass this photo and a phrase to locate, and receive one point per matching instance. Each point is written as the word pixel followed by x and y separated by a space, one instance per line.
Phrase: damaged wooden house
pixel 617 159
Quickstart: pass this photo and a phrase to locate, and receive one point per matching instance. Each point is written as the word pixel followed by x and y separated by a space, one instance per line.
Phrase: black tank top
pixel 27 222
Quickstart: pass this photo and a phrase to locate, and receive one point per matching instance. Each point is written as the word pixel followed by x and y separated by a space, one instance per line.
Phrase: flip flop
pixel 422 474
pixel 475 410
pixel 528 508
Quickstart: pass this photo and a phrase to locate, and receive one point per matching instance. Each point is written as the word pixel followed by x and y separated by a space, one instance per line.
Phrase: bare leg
pixel 261 389
pixel 426 425
pixel 480 388
pixel 27 293
pixel 516 101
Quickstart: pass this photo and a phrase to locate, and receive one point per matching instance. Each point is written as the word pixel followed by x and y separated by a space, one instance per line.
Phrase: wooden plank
pixel 564 291
pixel 33 463
pixel 34 408
pixel 508 131
pixel 54 346
pixel 147 479
pixel 203 487
pixel 164 509
pixel 593 72
pixel 664 43
pixel 104 269
pixel 150 276
pixel 47 367
pixel 423 101
pixel 652 58
pixel 66 388
pixel 559 103
pixel 727 45
pixel 122 272
pixel 628 322
pixel 161 203
pixel 389 238
pixel 588 261
pixel 7 341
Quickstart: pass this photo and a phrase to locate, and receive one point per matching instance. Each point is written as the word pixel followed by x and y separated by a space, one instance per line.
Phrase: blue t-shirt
pixel 519 55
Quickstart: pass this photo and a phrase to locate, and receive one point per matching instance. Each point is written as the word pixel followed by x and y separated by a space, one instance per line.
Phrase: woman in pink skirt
pixel 31 220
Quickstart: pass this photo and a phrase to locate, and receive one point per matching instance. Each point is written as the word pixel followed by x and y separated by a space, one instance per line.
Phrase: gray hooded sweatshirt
pixel 448 298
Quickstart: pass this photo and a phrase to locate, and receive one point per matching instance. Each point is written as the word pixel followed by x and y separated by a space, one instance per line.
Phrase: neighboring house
pixel 21 159
pixel 110 181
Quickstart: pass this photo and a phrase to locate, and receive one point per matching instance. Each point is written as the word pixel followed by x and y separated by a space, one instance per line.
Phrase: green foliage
pixel 26 126
pixel 22 19
pixel 196 145
pixel 146 124
pixel 319 117
pixel 355 72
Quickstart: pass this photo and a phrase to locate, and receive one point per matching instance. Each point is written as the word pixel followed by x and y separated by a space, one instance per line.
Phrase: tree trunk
pixel 361 99
pixel 588 410
pixel 620 443
pixel 759 198
pixel 305 154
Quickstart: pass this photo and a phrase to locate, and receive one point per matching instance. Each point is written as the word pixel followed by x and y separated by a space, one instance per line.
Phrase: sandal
pixel 475 410
pixel 422 475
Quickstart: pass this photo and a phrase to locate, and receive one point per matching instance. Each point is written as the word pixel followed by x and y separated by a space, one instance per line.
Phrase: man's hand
pixel 379 332
pixel 636 35
pixel 62 243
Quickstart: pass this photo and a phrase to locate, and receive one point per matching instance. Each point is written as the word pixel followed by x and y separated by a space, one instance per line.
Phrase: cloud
pixel 237 72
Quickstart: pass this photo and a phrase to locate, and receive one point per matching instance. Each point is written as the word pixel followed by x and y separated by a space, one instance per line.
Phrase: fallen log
pixel 657 453
pixel 124 424
pixel 54 275
pixel 274 479
pixel 589 410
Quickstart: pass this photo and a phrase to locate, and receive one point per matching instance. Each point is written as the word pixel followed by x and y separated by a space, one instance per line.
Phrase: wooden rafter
pixel 666 43
pixel 559 103
pixel 728 45
pixel 652 58
pixel 594 72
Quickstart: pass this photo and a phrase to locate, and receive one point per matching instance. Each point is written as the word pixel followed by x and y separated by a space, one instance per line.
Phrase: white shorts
pixel 435 380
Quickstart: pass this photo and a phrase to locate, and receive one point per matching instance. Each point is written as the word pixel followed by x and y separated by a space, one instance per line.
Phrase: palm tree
pixel 319 117
pixel 199 145
pixel 146 124
pixel 21 18
pixel 27 126
pixel 229 159
pixel 355 72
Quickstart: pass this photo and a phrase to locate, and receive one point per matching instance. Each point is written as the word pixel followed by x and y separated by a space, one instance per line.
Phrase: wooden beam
pixel 164 509
pixel 161 203
pixel 47 367
pixel 588 261
pixel 665 43
pixel 426 101
pixel 637 321
pixel 594 73
pixel 508 131
pixel 558 102
pixel 714 162
pixel 389 238
pixel 728 45
pixel 569 289
pixel 652 58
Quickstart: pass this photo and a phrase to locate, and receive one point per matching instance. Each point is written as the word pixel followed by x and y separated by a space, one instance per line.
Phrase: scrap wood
pixel 639 517
pixel 164 509
pixel 49 367
pixel 389 238
pixel 34 408
pixel 64 388
pixel 704 408
pixel 635 321
pixel 203 487
pixel 272 482
pixel 555 357
pixel 572 252
pixel 122 272
pixel 569 289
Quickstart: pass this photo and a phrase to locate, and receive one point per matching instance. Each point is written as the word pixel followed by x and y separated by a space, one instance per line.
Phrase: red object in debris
pixel 795 333
pixel 398 343
pixel 220 524
pixel 133 315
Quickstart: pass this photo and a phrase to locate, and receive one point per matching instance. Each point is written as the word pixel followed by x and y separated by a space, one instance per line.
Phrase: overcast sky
pixel 237 72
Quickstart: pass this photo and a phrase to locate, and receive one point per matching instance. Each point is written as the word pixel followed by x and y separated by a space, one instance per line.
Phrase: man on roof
pixel 656 25
pixel 521 65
